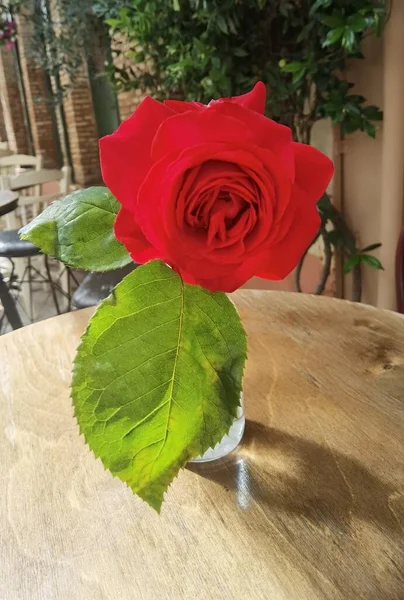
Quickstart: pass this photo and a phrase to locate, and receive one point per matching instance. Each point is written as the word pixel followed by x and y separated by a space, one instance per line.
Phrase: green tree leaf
pixel 372 261
pixel 222 24
pixel 157 377
pixel 357 22
pixel 78 230
pixel 333 36
pixel 371 247
pixel 293 67
pixel 348 39
pixel 373 113
pixel 319 4
pixel 351 263
pixel 240 52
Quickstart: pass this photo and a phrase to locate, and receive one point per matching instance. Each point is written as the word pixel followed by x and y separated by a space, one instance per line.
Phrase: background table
pixel 311 506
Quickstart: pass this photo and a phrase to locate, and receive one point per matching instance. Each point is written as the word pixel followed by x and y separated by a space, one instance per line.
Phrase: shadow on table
pixel 290 474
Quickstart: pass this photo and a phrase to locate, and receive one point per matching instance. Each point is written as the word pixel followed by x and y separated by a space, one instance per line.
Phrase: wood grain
pixel 311 506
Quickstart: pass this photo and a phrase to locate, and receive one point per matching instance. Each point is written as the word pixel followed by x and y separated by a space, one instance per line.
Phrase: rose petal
pixel 179 107
pixel 181 132
pixel 129 233
pixel 228 282
pixel 313 170
pixel 254 100
pixel 284 256
pixel 125 155
pixel 267 133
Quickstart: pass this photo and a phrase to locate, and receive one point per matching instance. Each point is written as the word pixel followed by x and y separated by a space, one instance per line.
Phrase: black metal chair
pixel 8 203
pixel 95 287
pixel 30 202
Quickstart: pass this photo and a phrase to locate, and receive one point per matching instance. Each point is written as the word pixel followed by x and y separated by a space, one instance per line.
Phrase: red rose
pixel 219 192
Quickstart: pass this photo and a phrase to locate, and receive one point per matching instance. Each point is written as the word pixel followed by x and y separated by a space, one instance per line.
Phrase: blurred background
pixel 71 71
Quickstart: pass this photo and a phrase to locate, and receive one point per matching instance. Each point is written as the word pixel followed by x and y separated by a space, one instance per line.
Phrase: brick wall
pixel 82 129
pixel 13 114
pixel 3 132
pixel 39 101
pixel 128 101
pixel 45 122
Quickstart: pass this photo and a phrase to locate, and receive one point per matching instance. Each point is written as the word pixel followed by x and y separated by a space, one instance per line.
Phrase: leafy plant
pixel 336 235
pixel 201 49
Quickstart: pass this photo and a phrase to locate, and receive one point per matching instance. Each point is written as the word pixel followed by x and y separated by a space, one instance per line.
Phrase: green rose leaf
pixel 372 261
pixel 78 230
pixel 157 377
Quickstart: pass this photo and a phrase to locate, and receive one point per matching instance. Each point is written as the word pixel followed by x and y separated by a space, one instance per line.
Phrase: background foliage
pixel 201 49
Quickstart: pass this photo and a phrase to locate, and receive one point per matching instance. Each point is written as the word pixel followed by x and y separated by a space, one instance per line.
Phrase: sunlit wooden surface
pixel 310 507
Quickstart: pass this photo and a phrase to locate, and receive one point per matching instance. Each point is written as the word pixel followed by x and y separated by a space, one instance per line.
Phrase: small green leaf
pixel 240 52
pixel 370 129
pixel 373 113
pixel 298 76
pixel 357 23
pixel 232 26
pixel 319 4
pixel 112 22
pixel 305 32
pixel 78 230
pixel 157 377
pixel 351 263
pixel 372 261
pixel 283 9
pixel 371 247
pixel 379 23
pixel 222 24
pixel 176 5
pixel 333 36
pixel 293 67
pixel 348 39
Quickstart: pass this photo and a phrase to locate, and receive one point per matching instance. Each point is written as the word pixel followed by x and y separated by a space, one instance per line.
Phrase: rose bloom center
pixel 221 201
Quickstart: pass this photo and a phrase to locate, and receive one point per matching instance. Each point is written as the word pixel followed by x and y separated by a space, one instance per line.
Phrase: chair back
pixel 400 273
pixel 13 164
pixel 36 190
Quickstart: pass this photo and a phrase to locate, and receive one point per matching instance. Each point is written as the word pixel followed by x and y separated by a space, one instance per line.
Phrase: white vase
pixel 230 441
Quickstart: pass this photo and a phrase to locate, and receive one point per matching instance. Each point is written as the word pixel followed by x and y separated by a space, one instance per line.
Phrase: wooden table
pixel 311 506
